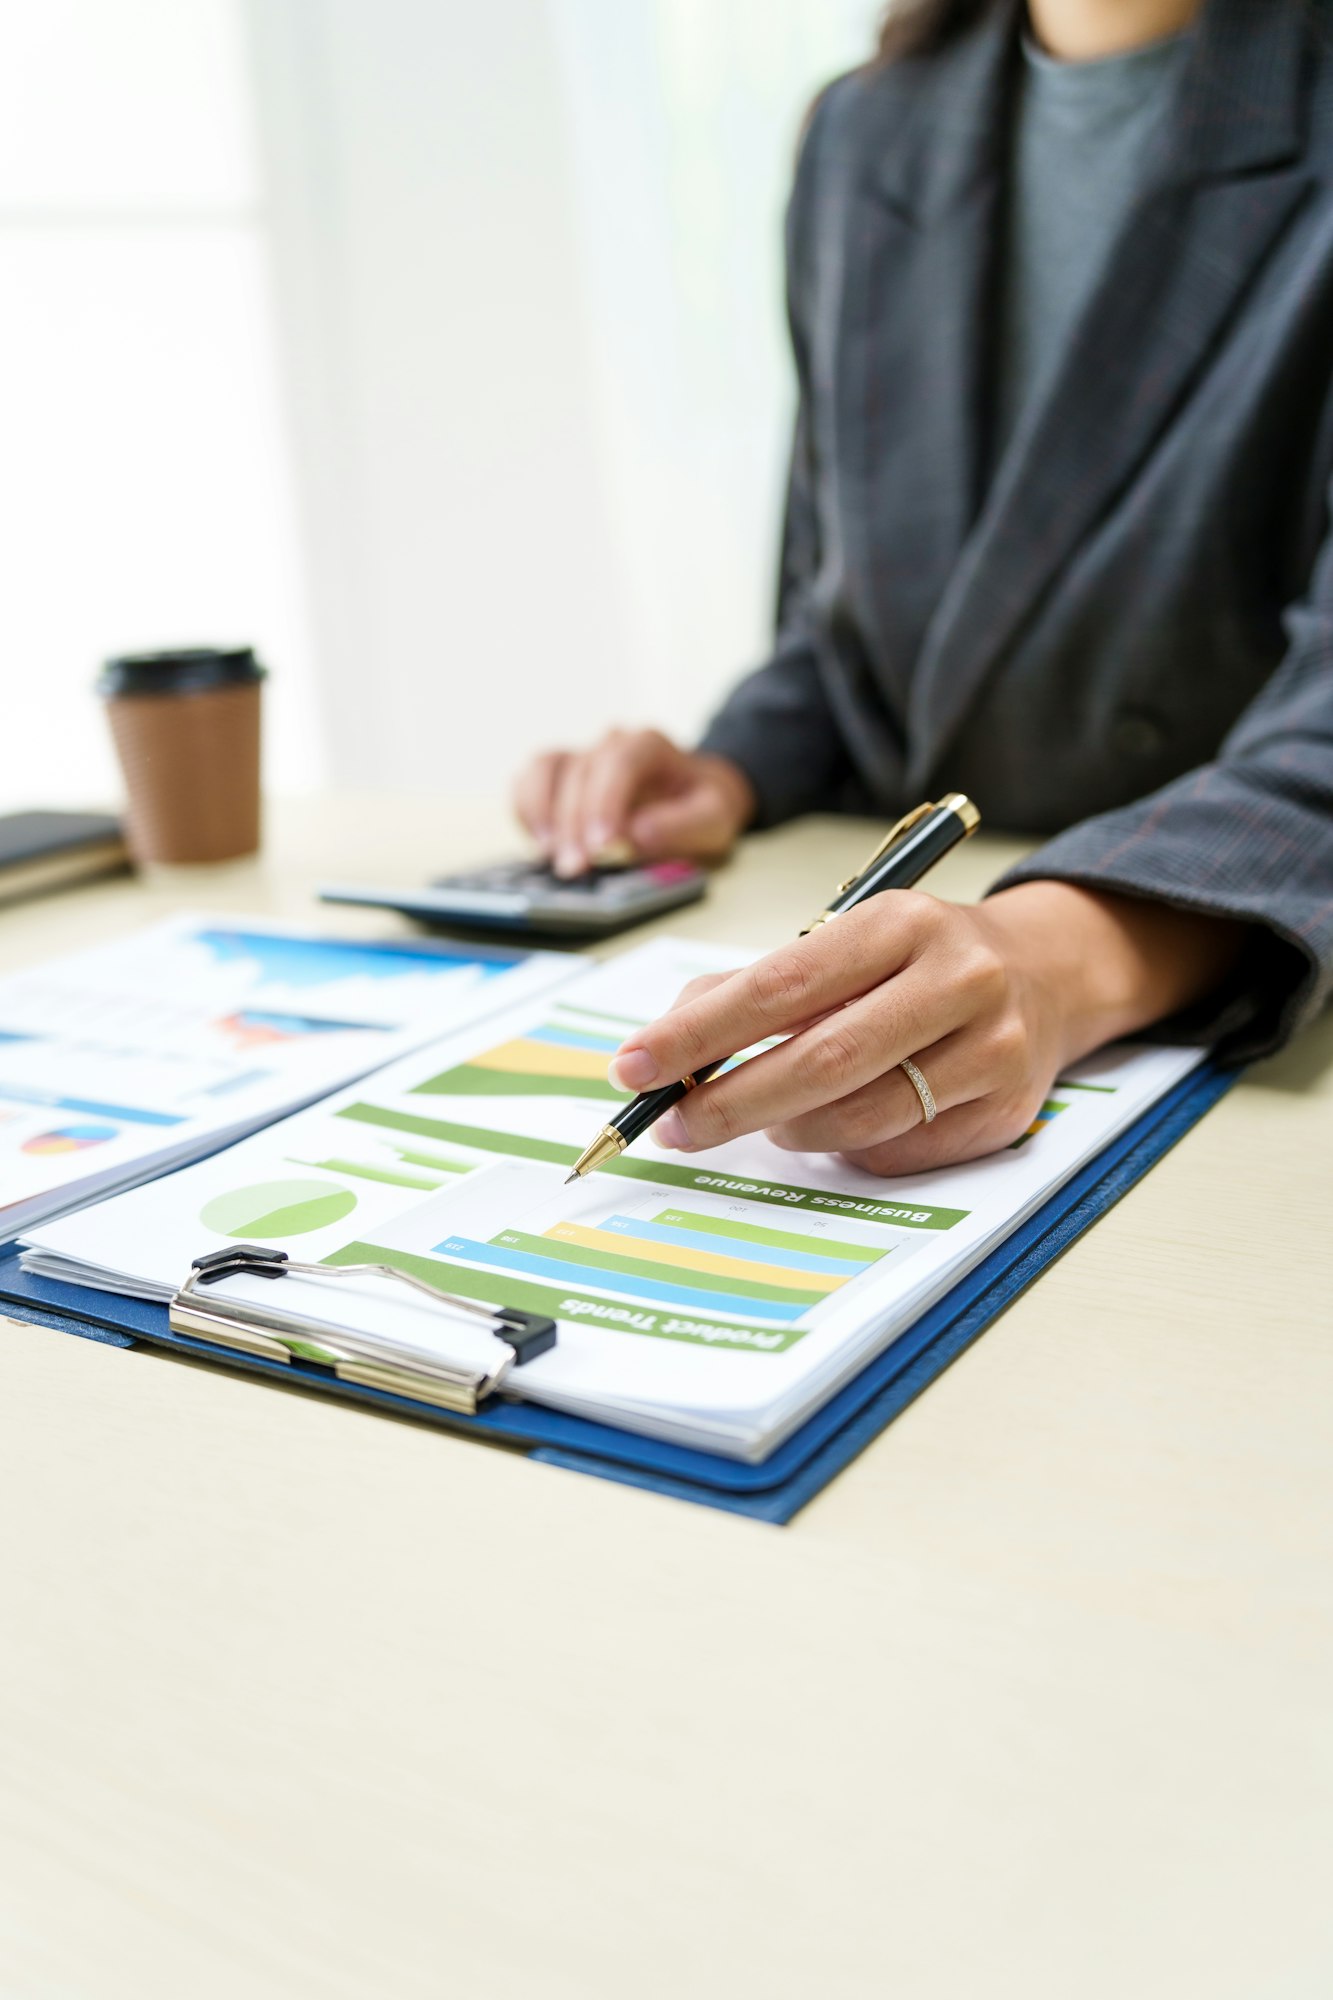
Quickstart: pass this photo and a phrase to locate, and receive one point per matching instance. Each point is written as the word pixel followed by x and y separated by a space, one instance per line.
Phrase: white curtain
pixel 684 122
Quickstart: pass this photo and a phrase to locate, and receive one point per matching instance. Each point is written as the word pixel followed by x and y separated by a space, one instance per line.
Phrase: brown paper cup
pixel 191 765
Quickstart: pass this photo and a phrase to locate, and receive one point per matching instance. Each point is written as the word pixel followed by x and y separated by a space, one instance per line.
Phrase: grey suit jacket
pixel 1122 634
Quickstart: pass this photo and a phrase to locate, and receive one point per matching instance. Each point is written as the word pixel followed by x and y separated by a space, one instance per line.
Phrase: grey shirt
pixel 1081 135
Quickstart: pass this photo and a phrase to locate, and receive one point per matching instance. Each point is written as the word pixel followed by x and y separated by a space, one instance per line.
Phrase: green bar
pixel 472 1081
pixel 358 1171
pixel 1102 1089
pixel 777 1239
pixel 643 1267
pixel 698 1179
pixel 573 1008
pixel 433 1161
pixel 497 1288
pixel 777 1195
pixel 477 1136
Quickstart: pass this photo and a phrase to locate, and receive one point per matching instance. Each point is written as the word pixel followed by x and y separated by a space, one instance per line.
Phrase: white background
pixel 434 348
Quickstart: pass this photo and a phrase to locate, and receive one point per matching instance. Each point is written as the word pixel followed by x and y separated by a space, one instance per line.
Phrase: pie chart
pixel 70 1138
pixel 273 1210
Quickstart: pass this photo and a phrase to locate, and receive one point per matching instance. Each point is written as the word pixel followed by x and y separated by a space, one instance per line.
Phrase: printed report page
pixel 149 1046
pixel 714 1298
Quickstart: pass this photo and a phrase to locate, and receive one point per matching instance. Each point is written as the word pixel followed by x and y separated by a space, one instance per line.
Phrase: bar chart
pixel 718 1263
pixel 565 1056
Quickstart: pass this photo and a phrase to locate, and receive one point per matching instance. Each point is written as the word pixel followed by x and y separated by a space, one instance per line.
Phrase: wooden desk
pixel 1033 1702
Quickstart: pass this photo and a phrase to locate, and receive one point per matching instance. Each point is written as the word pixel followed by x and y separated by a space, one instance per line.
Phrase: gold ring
pixel 921 1087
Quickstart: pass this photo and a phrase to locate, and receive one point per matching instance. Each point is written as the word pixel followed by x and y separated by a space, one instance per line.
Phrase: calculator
pixel 526 897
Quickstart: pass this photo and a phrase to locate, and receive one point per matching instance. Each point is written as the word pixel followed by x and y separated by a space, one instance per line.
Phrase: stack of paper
pixel 121 1061
pixel 715 1299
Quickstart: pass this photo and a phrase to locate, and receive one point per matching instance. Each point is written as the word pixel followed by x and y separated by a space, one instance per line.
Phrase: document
pixel 125 1058
pixel 714 1299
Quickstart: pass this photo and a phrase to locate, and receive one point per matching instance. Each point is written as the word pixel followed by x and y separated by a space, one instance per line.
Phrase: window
pixel 145 493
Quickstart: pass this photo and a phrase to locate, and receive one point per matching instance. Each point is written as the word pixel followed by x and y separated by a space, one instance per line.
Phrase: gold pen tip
pixel 604 1147
pixel 571 1177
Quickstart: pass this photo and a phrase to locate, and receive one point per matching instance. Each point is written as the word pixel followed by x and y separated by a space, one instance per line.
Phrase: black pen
pixel 915 844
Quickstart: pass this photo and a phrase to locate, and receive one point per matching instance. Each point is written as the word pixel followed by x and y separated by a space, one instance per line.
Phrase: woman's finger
pixel 692 826
pixel 694 989
pixel 775 995
pixel 846 1052
pixel 570 855
pixel 889 1105
pixel 534 796
pixel 621 771
pixel 966 1133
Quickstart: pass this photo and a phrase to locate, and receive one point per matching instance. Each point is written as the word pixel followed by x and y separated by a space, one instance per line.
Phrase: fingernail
pixel 599 835
pixel 632 1069
pixel 569 861
pixel 670 1131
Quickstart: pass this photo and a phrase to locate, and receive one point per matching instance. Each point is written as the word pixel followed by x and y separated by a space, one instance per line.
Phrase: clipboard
pixel 234 1326
pixel 798 1469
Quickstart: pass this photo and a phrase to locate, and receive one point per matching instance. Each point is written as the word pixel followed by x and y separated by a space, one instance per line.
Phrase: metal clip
pixel 369 1360
pixel 891 839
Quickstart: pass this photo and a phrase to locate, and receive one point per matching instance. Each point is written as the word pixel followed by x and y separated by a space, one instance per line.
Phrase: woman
pixel 1061 299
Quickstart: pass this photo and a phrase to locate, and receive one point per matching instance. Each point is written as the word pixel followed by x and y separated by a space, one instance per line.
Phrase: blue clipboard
pixel 813 1455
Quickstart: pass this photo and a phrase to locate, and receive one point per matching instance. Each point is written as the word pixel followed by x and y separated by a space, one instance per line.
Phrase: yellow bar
pixel 818 1282
pixel 542 1059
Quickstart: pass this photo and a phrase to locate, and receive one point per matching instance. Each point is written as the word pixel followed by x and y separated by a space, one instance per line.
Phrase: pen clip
pixel 891 839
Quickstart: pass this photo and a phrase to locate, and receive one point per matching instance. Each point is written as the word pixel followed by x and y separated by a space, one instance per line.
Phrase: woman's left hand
pixel 989 1001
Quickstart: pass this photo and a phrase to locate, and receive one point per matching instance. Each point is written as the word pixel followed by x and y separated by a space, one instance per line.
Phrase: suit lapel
pixel 1216 200
pixel 910 376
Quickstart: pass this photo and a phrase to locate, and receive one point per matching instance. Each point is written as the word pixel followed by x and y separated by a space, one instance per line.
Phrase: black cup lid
pixel 187 670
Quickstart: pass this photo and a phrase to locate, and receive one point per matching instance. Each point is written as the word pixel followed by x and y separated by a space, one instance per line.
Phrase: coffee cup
pixel 186 730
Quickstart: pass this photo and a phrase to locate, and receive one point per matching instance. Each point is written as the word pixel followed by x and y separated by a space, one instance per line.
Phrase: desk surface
pixel 1034 1701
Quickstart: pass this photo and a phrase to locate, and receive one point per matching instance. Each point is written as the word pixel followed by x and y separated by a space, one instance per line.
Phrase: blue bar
pixel 553 1269
pixel 731 1246
pixel 128 1114
pixel 242 1081
pixel 572 1038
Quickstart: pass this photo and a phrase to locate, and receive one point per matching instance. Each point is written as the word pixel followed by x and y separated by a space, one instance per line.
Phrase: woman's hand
pixel 990 1002
pixel 635 789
